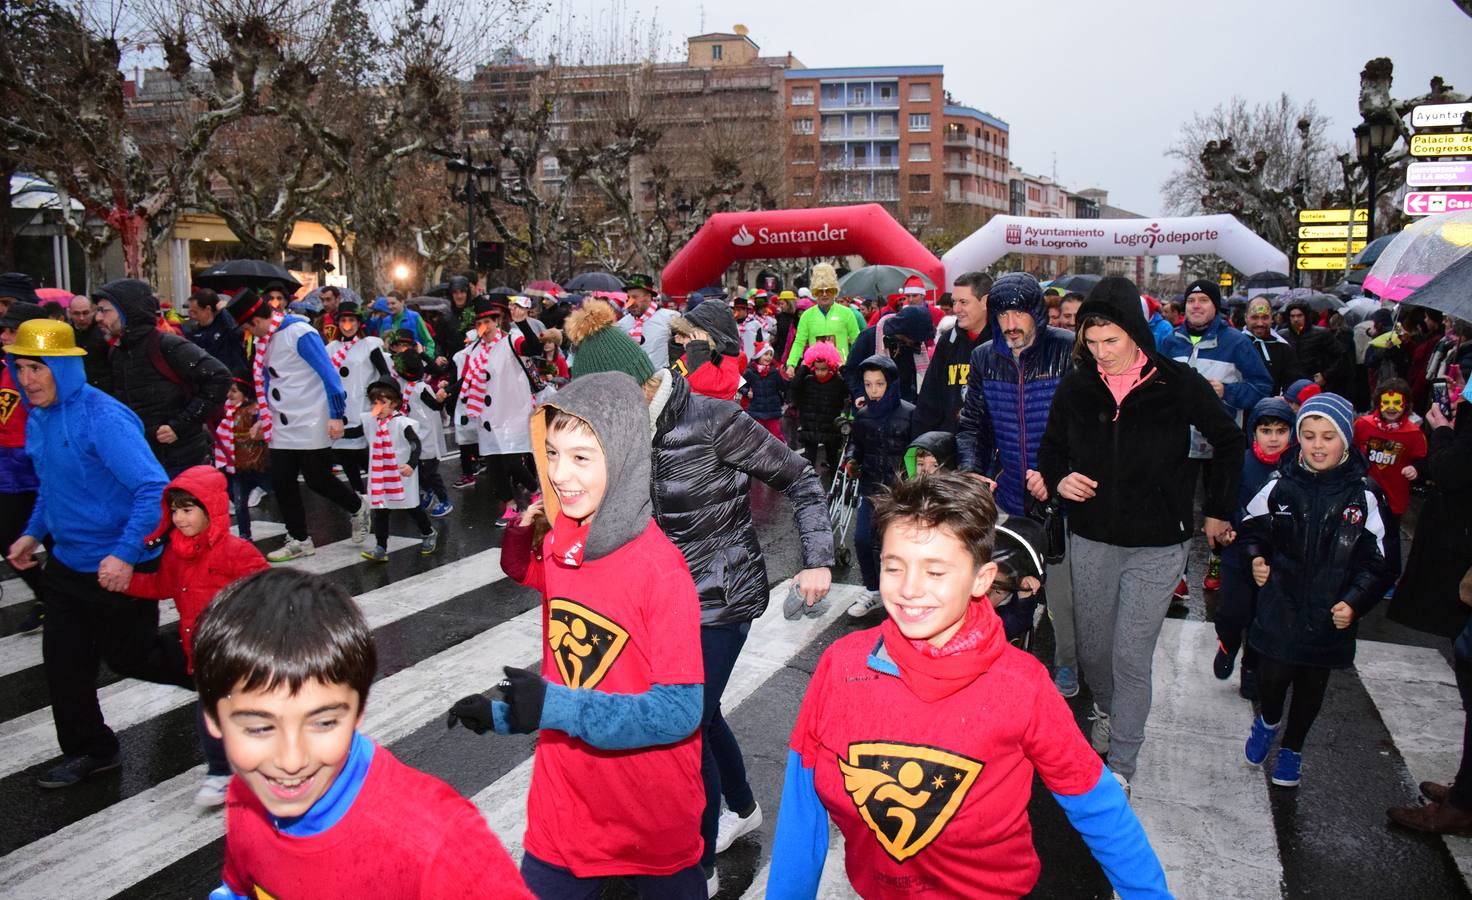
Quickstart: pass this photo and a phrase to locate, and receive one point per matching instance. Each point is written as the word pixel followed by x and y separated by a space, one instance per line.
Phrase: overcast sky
pixel 1105 84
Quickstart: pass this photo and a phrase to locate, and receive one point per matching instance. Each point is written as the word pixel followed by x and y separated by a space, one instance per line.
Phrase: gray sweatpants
pixel 1060 610
pixel 1121 595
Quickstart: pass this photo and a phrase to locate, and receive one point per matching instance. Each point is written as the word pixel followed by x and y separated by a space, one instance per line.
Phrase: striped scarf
pixel 385 482
pixel 341 353
pixel 473 386
pixel 225 440
pixel 258 370
pixel 637 332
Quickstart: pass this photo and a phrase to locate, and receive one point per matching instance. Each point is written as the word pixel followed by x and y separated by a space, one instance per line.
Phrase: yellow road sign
pixel 1306 263
pixel 1320 216
pixel 1330 232
pixel 1459 144
pixel 1224 280
pixel 1308 248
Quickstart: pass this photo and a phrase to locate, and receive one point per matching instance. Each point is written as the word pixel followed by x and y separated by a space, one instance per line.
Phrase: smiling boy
pixel 919 738
pixel 284 661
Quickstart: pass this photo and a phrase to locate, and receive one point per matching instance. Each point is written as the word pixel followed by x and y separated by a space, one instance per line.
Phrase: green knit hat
pixel 604 347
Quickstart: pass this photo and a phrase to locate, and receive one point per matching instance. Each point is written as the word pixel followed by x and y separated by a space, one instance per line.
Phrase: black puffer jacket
pixel 706 452
pixel 882 430
pixel 1323 534
pixel 819 404
pixel 140 385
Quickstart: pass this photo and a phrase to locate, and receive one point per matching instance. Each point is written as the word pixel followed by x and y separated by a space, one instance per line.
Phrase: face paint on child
pixel 1392 406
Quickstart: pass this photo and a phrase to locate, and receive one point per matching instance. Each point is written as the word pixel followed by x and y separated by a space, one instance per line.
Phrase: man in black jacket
pixel 216 332
pixel 1319 357
pixel 174 386
pixel 941 394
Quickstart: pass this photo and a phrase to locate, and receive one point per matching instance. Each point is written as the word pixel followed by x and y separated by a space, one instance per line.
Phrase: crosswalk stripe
pixel 31 738
pixel 1416 694
pixel 21 651
pixel 771 644
pixel 15 592
pixel 98 855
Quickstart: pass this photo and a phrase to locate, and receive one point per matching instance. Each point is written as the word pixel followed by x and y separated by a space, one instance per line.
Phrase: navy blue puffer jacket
pixel 882 430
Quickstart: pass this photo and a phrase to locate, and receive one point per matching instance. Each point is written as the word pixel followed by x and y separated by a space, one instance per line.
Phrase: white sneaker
pixel 1124 783
pixel 360 521
pixel 712 884
pixel 865 605
pixel 1099 734
pixel 292 549
pixel 255 497
pixel 212 790
pixel 733 826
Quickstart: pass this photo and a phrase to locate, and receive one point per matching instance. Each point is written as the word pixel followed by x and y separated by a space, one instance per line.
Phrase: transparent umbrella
pixel 1419 253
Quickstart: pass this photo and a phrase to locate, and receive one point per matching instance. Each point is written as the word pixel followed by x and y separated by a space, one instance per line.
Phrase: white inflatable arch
pixel 1220 234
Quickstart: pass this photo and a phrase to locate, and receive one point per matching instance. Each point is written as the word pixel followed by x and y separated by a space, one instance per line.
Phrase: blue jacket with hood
pixel 1007 397
pixel 1255 472
pixel 100 484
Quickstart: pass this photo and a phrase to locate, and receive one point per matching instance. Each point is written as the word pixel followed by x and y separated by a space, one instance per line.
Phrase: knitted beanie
pixel 1333 407
pixel 1209 288
pixel 602 346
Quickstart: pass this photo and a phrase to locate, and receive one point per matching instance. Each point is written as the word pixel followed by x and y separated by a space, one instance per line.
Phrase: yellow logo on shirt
pixel 584 644
pixel 907 793
pixel 262 895
pixel 9 402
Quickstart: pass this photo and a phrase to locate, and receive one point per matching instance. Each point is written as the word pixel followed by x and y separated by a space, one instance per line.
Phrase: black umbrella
pixel 1267 280
pixel 595 281
pixel 1450 291
pixel 1076 284
pixel 238 273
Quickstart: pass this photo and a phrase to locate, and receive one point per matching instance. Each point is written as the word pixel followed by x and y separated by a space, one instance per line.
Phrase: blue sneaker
pixel 1066 681
pixel 1259 741
pixel 1288 768
pixel 441 509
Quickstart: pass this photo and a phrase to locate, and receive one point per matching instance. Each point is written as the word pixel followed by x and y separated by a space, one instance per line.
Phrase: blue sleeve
pixel 800 846
pixel 311 349
pixel 1108 825
pixel 223 892
pixel 661 715
pixel 128 458
pixel 1256 383
pixel 36 527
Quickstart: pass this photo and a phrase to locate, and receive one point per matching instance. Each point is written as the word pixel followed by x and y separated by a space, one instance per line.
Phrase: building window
pixel 802 187
pixel 803 153
pixel 832 94
pixel 802 96
pixel 920 215
pixel 550 168
pixel 919 153
pixel 919 121
pixel 802 126
pixel 920 93
pixel 859 126
pixel 886 92
pixel 832 126
pixel 859 97
pixel 715 51
pixel 885 125
pixel 919 184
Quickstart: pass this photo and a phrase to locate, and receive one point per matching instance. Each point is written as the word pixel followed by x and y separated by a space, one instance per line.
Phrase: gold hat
pixel 45 337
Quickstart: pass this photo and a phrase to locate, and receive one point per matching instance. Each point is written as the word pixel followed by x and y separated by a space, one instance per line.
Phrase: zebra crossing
pixel 447 629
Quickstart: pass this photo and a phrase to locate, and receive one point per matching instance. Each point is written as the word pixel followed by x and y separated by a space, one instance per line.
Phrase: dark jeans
pixel 1309 683
pixel 507 473
pixel 86 624
pixel 354 463
pixel 213 747
pixel 240 484
pixel 316 467
pixel 15 512
pixel 830 453
pixel 549 882
pixel 1236 605
pixel 1392 541
pixel 721 766
pixel 469 456
pixel 380 523
pixel 1461 796
pixel 430 480
pixel 865 547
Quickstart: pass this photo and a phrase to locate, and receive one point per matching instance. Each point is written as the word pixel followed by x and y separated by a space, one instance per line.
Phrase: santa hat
pixel 913 285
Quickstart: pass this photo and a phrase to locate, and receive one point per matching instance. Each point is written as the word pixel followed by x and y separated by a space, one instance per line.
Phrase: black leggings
pixel 354 463
pixel 380 523
pixel 316 467
pixel 508 472
pixel 1309 683
pixel 1236 605
pixel 469 456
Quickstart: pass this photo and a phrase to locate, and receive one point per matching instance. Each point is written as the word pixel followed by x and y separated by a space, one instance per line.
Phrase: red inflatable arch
pixel 866 230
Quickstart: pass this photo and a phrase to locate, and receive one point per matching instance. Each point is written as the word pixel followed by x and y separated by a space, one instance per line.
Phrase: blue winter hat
pixel 913 322
pixel 1291 392
pixel 1333 407
pixel 1269 408
pixel 1017 291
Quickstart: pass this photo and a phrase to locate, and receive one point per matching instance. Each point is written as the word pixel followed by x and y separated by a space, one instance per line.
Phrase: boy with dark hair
pixel 927 804
pixel 881 436
pixel 200 558
pixel 284 661
pixel 394 459
pixel 618 701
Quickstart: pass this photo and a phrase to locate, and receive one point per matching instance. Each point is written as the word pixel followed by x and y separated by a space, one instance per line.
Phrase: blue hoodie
pixel 1255 472
pixel 100 484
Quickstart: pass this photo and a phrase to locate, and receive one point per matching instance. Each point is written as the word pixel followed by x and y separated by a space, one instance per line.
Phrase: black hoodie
pixel 164 378
pixel 1137 450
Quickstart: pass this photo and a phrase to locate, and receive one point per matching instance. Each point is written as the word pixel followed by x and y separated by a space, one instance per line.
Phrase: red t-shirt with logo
pixel 618 624
pixel 1390 448
pixel 932 797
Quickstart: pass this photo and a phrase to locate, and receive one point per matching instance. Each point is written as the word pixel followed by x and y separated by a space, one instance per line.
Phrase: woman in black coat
pixel 1441 551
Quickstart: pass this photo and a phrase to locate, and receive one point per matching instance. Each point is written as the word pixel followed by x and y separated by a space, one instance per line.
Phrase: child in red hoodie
pixel 200 558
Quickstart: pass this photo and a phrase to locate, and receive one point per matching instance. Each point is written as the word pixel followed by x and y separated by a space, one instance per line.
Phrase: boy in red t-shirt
pixel 283 661
pixel 1392 441
pixel 919 738
pixel 619 698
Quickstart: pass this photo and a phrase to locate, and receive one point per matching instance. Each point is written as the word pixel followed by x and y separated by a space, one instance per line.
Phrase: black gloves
pixel 523 692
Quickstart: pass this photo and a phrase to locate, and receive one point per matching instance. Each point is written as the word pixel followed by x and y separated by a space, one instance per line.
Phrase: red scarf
pixel 637 332
pixel 263 404
pixel 385 482
pixel 341 353
pixel 473 384
pixel 1267 459
pixel 569 540
pixel 225 440
pixel 934 673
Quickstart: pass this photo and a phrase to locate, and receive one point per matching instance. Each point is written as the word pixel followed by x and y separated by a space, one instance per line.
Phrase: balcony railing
pixel 859 195
pixel 839 104
pixel 848 165
pixel 849 134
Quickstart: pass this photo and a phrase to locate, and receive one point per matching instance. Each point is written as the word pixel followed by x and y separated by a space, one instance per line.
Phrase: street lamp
pixel 1373 138
pixel 472 185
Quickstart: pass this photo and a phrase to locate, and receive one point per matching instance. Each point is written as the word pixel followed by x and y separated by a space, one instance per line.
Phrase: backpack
pixel 160 363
